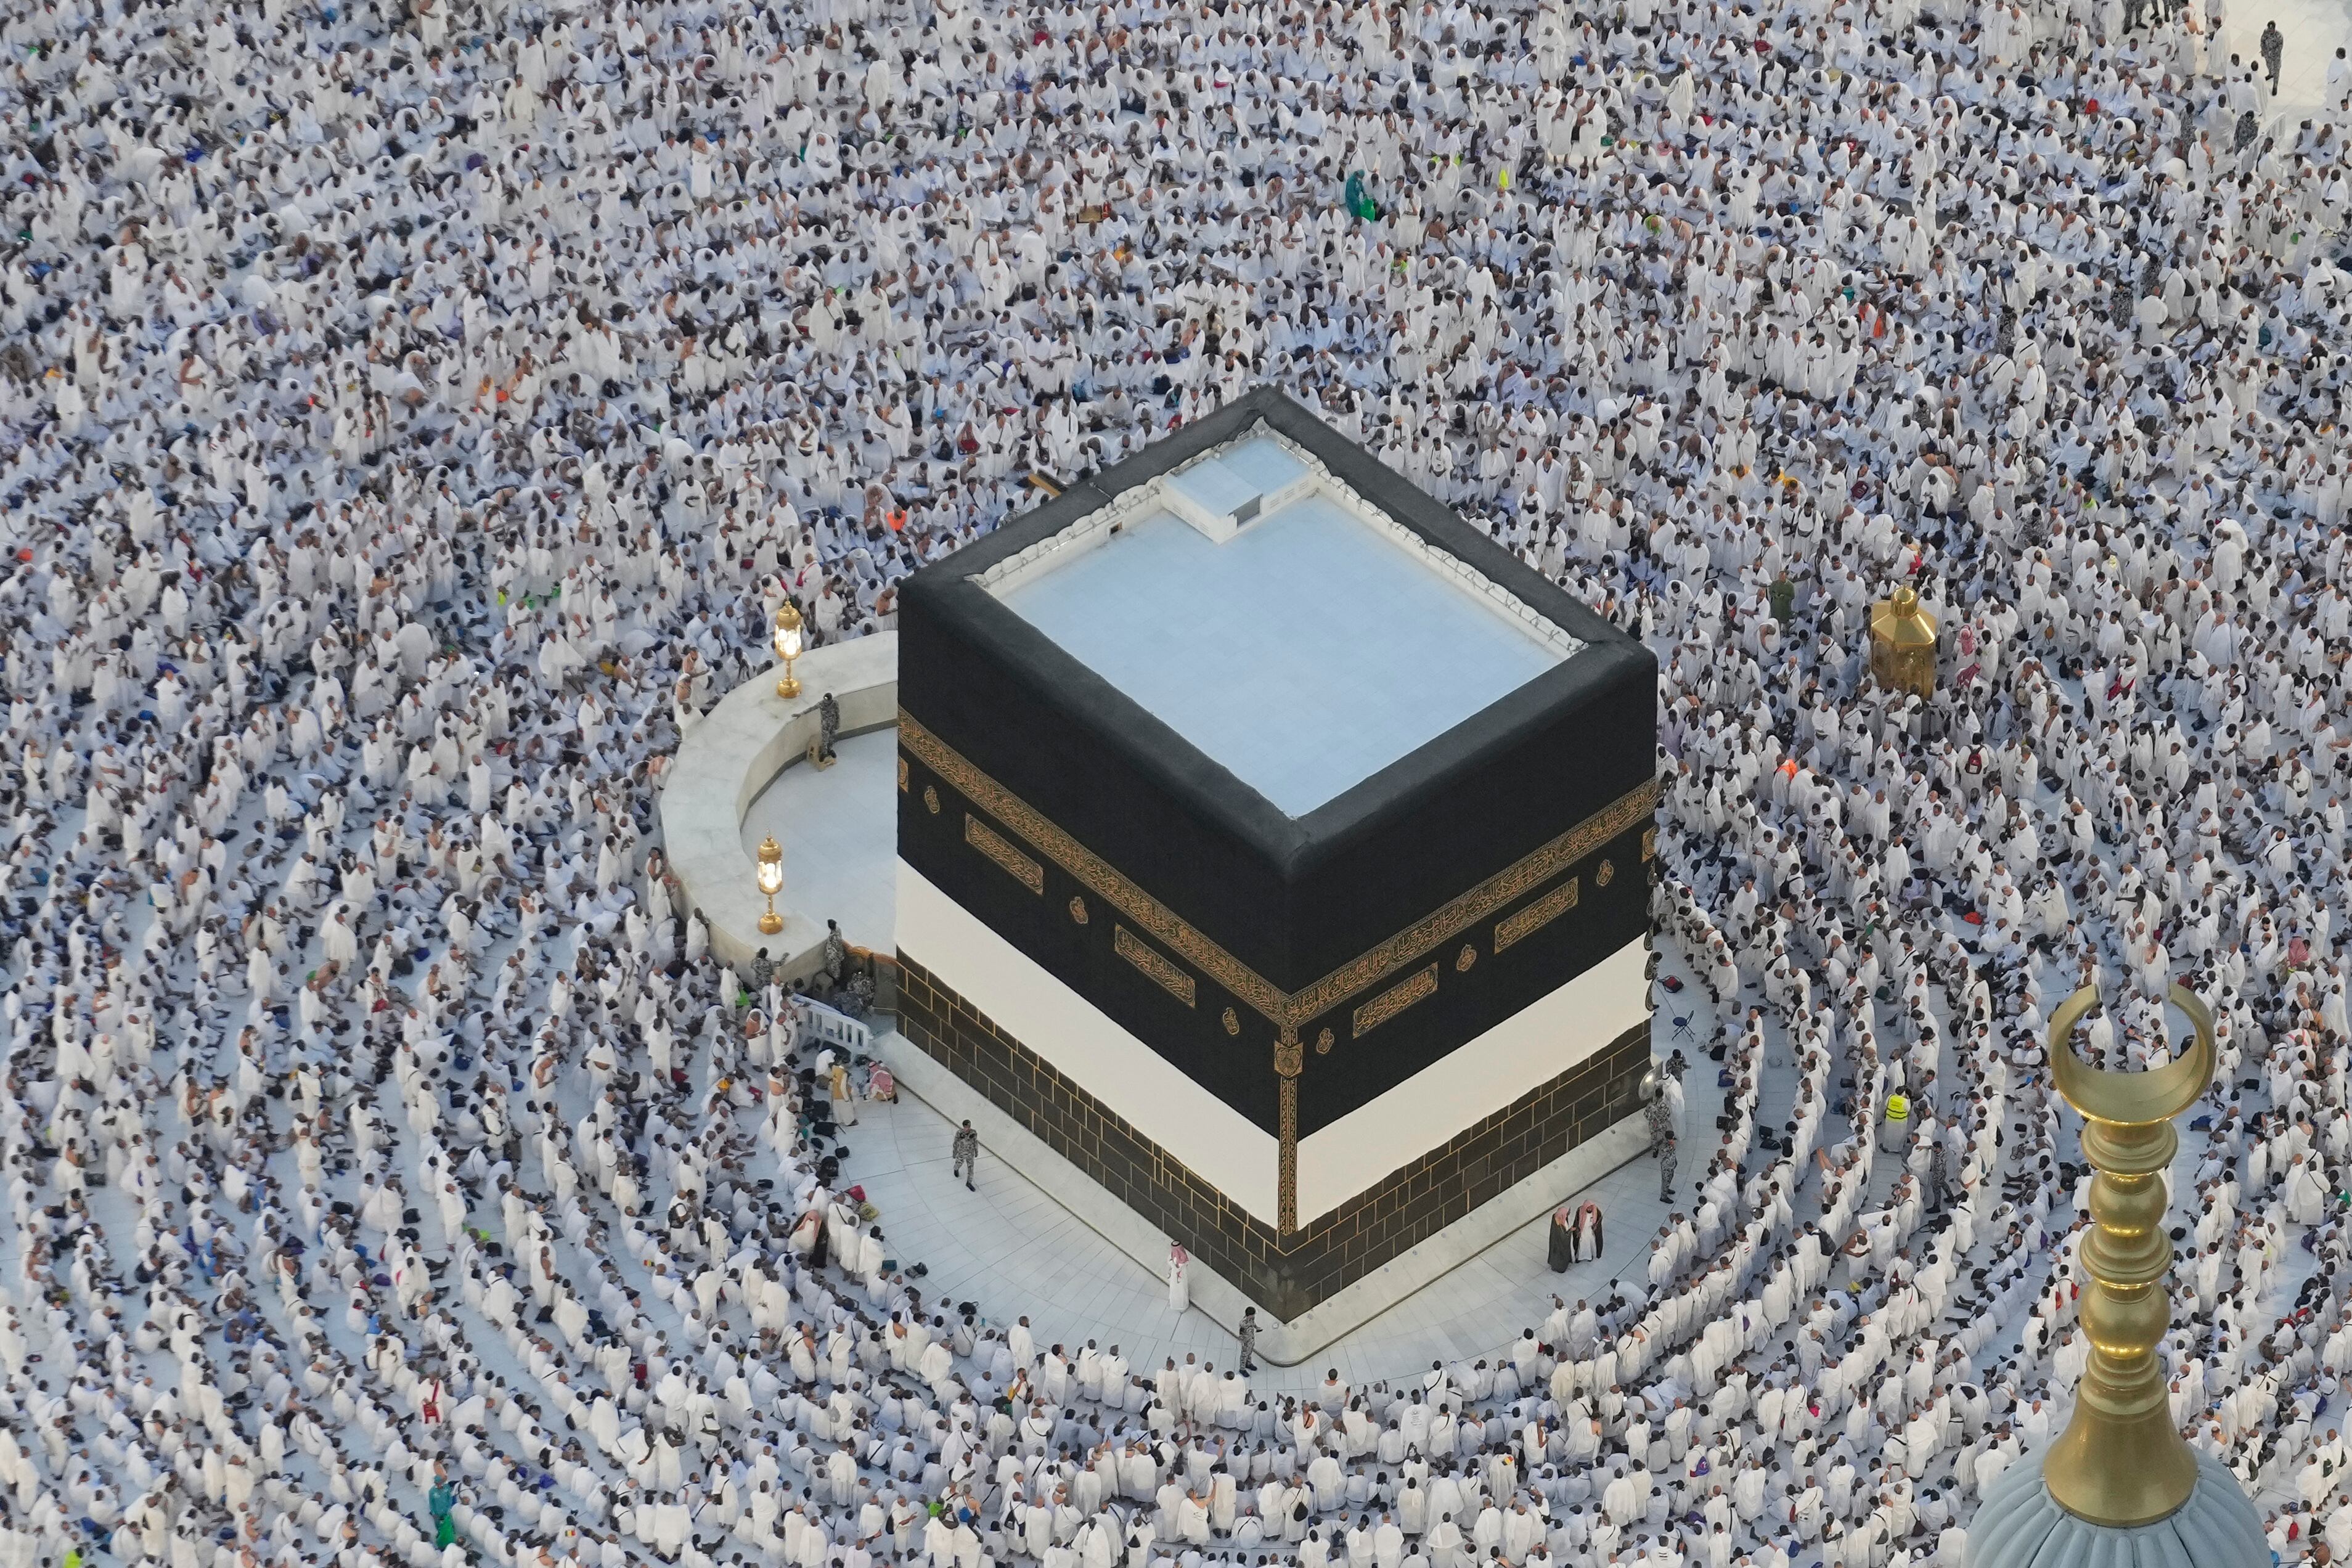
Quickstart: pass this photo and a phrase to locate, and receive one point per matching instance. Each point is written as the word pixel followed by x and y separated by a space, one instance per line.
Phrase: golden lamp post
pixel 788 646
pixel 2122 1462
pixel 772 882
pixel 1903 643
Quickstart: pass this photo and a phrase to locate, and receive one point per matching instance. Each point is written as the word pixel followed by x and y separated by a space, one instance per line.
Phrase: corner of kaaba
pixel 1276 849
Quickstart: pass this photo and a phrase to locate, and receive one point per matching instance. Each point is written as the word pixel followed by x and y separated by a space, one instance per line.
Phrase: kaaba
pixel 1275 847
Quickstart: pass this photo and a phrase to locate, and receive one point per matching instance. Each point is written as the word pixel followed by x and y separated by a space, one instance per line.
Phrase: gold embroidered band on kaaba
pixel 1287 1010
pixel 1395 1000
pixel 991 843
pixel 1535 916
pixel 1152 963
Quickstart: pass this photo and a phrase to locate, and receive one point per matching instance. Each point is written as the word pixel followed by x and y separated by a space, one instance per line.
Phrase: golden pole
pixel 2122 1461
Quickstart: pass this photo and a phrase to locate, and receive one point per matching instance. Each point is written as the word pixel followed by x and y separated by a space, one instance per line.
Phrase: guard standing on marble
pixel 1659 1095
pixel 833 961
pixel 1247 1334
pixel 966 1150
pixel 1661 1118
pixel 1939 1167
pixel 828 730
pixel 2273 50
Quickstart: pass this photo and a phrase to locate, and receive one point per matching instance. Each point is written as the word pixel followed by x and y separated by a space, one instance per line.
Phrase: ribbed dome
pixel 2020 1525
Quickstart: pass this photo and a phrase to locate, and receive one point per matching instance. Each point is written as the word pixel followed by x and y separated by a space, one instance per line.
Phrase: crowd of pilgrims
pixel 414 415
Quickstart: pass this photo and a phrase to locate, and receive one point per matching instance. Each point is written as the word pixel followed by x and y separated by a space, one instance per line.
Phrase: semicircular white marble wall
pixel 736 751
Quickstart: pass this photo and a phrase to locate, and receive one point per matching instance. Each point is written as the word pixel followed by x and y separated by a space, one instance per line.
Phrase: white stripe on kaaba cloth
pixel 1217 1142
pixel 1471 1082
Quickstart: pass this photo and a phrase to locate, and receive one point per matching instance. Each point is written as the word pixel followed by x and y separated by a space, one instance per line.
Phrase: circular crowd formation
pixel 416 413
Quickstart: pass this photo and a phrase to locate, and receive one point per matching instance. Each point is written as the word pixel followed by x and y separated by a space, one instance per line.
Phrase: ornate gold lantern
pixel 1903 643
pixel 772 882
pixel 788 646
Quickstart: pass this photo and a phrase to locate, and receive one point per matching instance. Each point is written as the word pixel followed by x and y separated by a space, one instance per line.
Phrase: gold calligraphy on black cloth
pixel 1288 1011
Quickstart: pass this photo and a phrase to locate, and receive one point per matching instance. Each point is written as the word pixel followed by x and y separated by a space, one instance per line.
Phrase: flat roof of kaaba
pixel 1278 621
pixel 984 664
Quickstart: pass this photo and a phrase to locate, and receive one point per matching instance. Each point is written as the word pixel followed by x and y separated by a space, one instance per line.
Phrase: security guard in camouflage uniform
pixel 1661 1118
pixel 965 1149
pixel 1939 1168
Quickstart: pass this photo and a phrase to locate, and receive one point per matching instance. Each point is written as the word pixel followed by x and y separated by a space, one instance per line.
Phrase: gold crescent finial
pixel 2130 1098
pixel 2121 1460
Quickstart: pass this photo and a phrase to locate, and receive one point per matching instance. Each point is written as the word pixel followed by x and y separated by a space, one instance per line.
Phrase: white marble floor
pixel 1010 1249
pixel 2313 30
pixel 839 831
